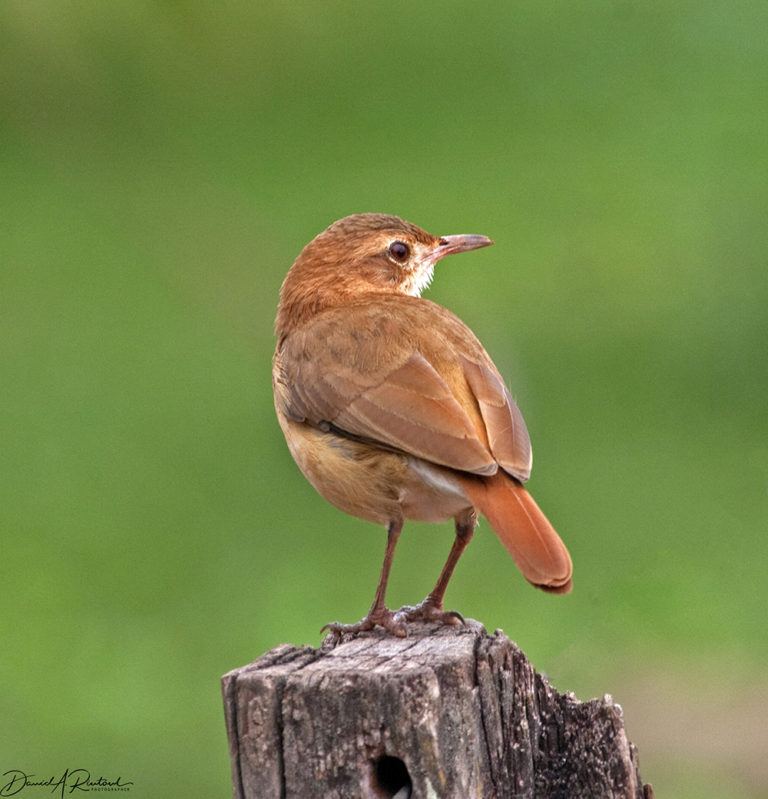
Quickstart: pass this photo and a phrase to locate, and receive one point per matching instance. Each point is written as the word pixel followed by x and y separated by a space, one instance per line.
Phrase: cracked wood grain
pixel 449 712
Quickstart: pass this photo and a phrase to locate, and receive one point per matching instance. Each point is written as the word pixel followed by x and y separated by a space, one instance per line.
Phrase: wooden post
pixel 447 713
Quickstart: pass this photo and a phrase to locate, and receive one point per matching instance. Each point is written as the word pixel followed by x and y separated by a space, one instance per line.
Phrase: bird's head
pixel 365 253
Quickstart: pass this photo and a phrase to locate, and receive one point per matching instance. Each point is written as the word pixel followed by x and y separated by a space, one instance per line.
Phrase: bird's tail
pixel 523 529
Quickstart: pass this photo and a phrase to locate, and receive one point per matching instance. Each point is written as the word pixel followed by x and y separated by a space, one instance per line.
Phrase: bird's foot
pixel 428 610
pixel 395 621
pixel 381 617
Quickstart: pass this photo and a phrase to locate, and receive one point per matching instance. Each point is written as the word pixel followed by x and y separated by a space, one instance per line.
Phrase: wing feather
pixel 414 410
pixel 356 379
pixel 507 434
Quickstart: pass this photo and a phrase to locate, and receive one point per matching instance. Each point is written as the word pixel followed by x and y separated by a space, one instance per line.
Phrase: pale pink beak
pixel 448 245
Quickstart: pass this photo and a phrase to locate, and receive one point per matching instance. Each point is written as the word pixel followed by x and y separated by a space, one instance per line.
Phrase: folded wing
pixel 440 399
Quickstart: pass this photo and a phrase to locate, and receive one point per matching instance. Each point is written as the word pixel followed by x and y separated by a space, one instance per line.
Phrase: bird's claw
pixel 395 621
pixel 429 611
pixel 382 617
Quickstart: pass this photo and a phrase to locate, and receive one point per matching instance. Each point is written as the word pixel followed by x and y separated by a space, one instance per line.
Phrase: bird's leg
pixel 379 613
pixel 431 609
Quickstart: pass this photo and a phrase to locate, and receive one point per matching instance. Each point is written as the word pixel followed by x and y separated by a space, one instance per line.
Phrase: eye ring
pixel 399 251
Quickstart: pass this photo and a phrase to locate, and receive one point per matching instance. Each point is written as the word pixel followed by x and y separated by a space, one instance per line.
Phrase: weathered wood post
pixel 447 713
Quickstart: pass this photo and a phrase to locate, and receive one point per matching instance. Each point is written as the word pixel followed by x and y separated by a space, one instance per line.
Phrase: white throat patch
pixel 419 280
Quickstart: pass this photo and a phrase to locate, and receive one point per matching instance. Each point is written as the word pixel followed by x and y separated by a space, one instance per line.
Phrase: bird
pixel 393 410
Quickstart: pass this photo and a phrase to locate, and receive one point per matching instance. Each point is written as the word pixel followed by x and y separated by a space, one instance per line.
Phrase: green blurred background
pixel 161 165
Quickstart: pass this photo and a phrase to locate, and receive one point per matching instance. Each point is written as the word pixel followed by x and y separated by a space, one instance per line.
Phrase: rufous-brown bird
pixel 393 410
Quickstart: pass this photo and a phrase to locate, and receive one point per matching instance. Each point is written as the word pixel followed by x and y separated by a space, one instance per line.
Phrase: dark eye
pixel 399 251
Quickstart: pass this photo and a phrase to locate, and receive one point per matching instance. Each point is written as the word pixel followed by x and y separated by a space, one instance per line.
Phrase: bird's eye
pixel 399 251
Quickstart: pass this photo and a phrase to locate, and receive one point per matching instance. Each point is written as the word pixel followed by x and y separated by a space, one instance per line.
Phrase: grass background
pixel 163 163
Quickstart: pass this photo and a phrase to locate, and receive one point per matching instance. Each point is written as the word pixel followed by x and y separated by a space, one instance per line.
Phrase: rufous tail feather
pixel 524 530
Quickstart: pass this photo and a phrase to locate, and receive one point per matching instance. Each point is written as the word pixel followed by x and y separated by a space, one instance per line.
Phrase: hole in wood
pixel 391 779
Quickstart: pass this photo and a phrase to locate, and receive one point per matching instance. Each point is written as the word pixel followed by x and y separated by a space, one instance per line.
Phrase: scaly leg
pixel 431 609
pixel 379 613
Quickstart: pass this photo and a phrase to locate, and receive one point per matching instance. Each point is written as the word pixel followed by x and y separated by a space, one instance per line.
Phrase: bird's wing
pixel 446 406
pixel 504 424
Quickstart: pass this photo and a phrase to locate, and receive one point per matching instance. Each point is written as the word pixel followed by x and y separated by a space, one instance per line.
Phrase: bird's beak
pixel 448 245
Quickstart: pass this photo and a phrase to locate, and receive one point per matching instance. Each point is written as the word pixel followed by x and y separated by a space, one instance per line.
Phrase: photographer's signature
pixel 71 780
